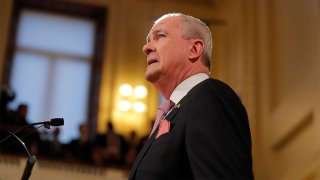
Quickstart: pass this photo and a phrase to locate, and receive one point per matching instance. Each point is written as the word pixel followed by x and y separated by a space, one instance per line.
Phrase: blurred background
pixel 82 60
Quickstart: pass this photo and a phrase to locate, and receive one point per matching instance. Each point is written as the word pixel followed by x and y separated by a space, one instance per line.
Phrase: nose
pixel 147 48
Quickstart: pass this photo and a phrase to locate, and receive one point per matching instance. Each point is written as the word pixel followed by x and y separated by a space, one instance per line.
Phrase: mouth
pixel 151 61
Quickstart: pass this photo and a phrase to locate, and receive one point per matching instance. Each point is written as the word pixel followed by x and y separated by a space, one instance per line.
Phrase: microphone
pixel 31 158
pixel 47 124
pixel 52 122
pixel 56 122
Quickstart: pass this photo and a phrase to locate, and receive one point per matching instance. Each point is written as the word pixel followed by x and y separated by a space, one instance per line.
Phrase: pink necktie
pixel 163 109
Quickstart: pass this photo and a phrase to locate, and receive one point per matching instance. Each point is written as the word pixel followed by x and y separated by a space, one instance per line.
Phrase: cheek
pixel 172 54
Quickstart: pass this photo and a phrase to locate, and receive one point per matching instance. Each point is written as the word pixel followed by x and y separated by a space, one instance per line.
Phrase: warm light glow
pixel 124 105
pixel 140 91
pixel 125 89
pixel 139 107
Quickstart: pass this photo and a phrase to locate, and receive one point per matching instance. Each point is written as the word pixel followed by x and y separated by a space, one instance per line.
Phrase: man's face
pixel 166 51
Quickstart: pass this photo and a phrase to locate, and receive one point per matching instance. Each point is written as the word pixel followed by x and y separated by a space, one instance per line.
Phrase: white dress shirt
pixel 185 86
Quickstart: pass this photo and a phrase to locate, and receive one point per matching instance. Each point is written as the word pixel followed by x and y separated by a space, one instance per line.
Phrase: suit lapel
pixel 173 112
pixel 141 154
pixel 148 143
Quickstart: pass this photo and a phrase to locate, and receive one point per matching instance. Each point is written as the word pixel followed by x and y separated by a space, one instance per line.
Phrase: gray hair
pixel 194 28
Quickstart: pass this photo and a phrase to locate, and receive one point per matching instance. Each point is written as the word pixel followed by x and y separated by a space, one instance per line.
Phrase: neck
pixel 165 88
pixel 167 85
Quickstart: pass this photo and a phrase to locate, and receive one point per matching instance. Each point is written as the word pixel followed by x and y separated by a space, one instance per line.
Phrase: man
pixel 206 135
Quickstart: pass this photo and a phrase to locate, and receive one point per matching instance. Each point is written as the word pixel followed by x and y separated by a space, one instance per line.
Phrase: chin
pixel 151 77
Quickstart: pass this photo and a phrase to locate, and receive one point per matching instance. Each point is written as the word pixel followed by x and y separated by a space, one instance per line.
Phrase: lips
pixel 151 61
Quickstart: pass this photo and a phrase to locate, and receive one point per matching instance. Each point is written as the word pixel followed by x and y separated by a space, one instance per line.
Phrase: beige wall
pixel 288 86
pixel 266 50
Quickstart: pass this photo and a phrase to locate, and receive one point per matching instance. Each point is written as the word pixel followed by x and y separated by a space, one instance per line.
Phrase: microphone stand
pixel 31 160
pixel 28 168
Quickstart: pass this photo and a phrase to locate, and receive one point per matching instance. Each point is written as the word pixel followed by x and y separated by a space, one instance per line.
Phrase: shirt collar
pixel 185 86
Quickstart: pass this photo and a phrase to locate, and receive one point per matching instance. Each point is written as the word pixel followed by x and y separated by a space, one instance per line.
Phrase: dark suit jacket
pixel 209 138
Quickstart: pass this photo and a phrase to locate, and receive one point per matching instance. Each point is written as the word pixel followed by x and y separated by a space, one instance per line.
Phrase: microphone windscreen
pixel 57 122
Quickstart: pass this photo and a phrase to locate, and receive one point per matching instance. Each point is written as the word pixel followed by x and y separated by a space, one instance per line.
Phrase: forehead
pixel 168 25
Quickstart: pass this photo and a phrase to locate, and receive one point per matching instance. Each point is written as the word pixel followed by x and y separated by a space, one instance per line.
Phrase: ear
pixel 196 50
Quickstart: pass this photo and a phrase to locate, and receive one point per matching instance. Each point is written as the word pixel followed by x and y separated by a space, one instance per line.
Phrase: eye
pixel 159 36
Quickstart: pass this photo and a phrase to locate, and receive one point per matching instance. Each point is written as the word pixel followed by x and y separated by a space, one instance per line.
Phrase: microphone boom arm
pixel 47 124
pixel 17 138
